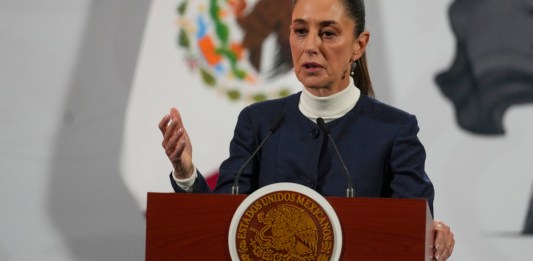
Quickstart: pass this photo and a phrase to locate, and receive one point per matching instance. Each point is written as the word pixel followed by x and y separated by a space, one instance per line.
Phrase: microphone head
pixel 322 125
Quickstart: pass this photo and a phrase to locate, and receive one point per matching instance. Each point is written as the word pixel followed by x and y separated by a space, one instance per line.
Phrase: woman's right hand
pixel 177 144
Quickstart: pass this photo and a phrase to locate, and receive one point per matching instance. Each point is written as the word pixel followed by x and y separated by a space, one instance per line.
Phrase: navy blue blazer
pixel 378 143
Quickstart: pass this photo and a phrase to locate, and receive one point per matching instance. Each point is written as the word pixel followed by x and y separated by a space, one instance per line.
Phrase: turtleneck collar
pixel 330 107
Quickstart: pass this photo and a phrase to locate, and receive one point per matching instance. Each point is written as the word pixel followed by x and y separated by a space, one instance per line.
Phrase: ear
pixel 359 45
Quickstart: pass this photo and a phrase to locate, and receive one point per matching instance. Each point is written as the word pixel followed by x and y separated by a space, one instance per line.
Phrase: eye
pixel 327 34
pixel 300 31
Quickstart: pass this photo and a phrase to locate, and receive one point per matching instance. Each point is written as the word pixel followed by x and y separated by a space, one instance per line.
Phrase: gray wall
pixel 66 69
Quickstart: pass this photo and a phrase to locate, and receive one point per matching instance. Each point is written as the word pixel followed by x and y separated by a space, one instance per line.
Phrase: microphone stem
pixel 349 190
pixel 235 187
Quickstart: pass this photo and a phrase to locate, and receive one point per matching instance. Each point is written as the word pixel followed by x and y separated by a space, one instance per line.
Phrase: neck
pixel 328 107
pixel 328 90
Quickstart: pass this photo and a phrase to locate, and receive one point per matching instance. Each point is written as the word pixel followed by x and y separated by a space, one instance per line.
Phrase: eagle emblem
pixel 287 228
pixel 285 221
pixel 238 48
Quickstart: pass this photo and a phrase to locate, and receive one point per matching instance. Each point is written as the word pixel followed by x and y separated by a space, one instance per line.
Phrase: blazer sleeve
pixel 407 165
pixel 200 185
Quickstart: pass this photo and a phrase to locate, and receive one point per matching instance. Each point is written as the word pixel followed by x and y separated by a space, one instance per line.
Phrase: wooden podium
pixel 195 227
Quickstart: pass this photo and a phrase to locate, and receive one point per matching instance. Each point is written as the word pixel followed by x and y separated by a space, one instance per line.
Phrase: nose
pixel 311 44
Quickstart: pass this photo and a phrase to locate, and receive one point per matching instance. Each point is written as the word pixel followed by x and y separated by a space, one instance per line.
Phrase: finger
pixel 164 123
pixel 449 245
pixel 176 116
pixel 178 151
pixel 439 252
pixel 444 241
pixel 439 239
pixel 446 251
pixel 442 254
pixel 170 144
pixel 180 147
pixel 171 131
pixel 437 226
pixel 173 145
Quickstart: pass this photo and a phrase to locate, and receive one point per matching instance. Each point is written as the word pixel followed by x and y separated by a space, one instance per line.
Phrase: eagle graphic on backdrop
pixel 267 17
pixel 225 42
pixel 493 66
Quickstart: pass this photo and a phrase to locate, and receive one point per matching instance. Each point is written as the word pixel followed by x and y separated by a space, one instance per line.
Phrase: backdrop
pixel 84 84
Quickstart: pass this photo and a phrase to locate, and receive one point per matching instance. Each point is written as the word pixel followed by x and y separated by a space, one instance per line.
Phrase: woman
pixel 383 153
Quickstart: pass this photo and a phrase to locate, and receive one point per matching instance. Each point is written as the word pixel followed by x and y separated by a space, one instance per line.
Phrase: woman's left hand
pixel 444 241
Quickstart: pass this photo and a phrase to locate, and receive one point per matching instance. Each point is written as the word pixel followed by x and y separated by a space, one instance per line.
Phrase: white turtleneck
pixel 330 107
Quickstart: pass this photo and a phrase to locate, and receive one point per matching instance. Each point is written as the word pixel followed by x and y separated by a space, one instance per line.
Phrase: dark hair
pixel 361 77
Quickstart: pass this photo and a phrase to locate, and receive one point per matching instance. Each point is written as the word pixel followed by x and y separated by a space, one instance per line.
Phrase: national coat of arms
pixel 284 225
pixel 240 48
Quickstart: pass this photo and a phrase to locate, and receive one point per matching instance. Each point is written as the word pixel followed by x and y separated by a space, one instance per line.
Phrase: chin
pixel 312 82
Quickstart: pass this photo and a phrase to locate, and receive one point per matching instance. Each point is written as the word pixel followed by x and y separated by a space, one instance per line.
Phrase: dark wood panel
pixel 195 227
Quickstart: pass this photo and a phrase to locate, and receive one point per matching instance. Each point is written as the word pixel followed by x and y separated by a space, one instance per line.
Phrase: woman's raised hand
pixel 177 144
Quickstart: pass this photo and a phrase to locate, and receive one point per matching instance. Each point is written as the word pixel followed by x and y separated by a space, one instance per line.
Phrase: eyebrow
pixel 321 23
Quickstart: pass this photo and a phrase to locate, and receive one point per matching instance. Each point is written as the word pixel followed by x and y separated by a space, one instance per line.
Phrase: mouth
pixel 312 66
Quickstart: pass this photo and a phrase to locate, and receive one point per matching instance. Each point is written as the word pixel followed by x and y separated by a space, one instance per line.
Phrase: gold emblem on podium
pixel 284 225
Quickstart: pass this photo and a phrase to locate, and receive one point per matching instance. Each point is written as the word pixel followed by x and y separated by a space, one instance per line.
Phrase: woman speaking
pixel 379 143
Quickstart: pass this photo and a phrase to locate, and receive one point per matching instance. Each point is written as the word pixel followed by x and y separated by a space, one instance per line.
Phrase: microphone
pixel 322 125
pixel 274 128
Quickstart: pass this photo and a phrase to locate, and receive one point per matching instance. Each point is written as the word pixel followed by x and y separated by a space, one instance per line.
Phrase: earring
pixel 354 66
